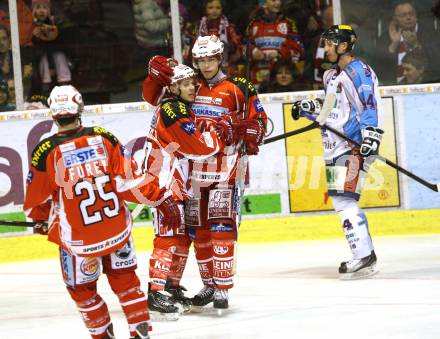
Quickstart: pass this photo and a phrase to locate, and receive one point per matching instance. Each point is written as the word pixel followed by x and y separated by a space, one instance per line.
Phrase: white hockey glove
pixel 312 106
pixel 371 137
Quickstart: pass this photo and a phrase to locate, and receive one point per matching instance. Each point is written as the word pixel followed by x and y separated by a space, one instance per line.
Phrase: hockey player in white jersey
pixel 357 114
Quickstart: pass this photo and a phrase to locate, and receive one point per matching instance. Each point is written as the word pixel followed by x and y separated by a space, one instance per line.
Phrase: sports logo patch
pixel 84 155
pixel 89 266
pixel 221 227
pixel 192 215
pixel 67 268
pixel 124 252
pixel 208 110
pixel 219 205
pixel 188 127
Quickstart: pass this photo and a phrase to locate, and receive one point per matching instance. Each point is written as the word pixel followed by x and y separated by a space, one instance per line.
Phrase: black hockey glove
pixel 312 106
pixel 371 137
pixel 41 227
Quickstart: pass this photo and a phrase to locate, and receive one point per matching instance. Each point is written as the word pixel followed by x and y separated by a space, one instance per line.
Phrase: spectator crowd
pixel 81 42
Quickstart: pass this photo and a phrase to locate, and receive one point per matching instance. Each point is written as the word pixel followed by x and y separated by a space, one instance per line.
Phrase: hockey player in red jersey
pixel 85 174
pixel 173 141
pixel 217 183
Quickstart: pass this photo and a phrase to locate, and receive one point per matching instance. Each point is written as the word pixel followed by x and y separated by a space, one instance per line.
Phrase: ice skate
pixel 162 307
pixel 221 301
pixel 142 331
pixel 203 298
pixel 358 268
pixel 178 295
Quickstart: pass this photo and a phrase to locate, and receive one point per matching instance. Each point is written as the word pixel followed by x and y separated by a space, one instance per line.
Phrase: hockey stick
pixel 328 104
pixel 20 223
pixel 135 213
pixel 434 187
pixel 137 210
pixel 307 128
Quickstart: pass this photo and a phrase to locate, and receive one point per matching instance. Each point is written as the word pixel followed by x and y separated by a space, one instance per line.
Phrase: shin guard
pixel 355 225
pixel 92 308
pixel 180 257
pixel 126 286
pixel 203 252
pixel 223 236
pixel 160 264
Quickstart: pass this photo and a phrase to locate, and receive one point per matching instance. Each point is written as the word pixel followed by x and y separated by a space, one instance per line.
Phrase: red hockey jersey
pixel 87 175
pixel 173 140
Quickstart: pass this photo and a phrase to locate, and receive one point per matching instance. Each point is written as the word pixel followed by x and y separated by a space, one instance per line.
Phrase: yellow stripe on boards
pixel 267 230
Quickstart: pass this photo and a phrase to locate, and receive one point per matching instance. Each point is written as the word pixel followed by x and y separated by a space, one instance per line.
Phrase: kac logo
pixel 220 250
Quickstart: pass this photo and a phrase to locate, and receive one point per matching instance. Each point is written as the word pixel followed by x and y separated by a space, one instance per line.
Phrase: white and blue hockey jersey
pixel 358 105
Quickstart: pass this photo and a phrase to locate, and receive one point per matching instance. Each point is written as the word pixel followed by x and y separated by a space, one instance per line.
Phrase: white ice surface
pixel 287 290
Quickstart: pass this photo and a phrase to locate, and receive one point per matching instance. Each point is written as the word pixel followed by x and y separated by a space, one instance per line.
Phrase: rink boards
pixel 288 175
pixel 258 230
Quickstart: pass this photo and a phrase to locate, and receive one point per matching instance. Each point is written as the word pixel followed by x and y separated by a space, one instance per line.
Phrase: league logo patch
pixel 188 127
pixel 29 177
pixel 258 106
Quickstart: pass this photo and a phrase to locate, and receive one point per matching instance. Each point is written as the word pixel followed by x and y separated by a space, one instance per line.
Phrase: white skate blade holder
pixel 164 317
pixel 363 273
pixel 183 308
pixel 200 309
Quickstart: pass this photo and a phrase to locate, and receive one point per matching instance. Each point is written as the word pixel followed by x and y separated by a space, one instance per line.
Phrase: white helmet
pixel 65 102
pixel 206 46
pixel 181 72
